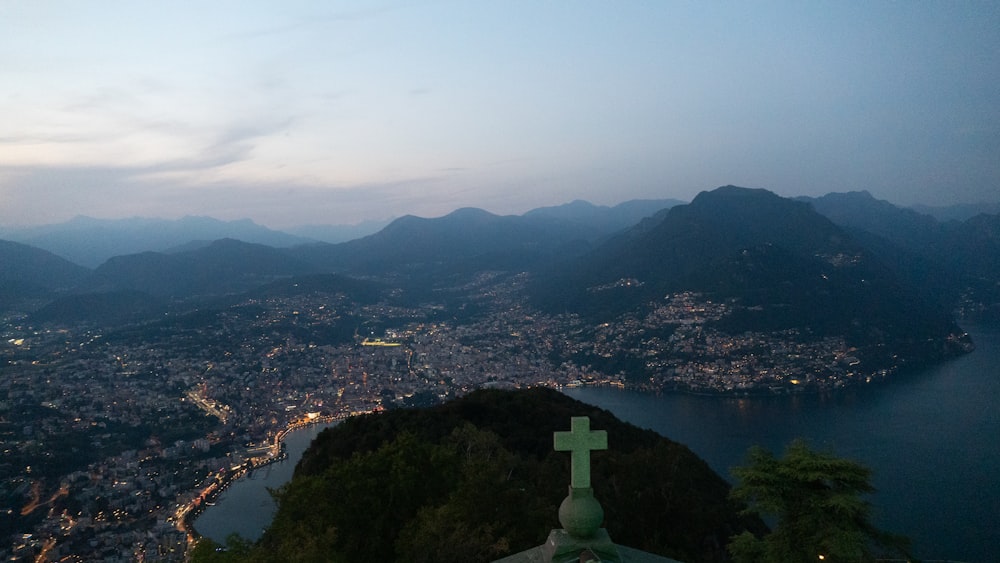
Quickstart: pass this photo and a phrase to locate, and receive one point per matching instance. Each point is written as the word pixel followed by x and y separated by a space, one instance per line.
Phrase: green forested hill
pixel 476 479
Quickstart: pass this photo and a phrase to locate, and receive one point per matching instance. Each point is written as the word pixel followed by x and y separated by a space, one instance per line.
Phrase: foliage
pixel 476 479
pixel 818 502
pixel 236 550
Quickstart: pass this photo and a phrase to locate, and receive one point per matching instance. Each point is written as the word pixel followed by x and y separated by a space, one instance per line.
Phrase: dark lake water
pixel 932 439
pixel 246 507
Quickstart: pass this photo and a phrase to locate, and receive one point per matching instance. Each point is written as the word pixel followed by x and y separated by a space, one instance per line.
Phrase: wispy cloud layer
pixel 314 112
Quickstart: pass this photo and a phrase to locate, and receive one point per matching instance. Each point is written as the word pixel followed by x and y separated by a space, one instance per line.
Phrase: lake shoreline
pixel 929 434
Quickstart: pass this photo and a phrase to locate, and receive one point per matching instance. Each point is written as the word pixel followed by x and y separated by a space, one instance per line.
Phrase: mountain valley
pixel 198 358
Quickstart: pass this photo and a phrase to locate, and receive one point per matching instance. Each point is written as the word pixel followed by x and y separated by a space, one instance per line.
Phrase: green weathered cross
pixel 580 440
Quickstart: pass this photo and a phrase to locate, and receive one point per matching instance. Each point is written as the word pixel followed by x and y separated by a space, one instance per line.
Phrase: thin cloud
pixel 240 133
pixel 303 22
pixel 55 138
pixel 103 99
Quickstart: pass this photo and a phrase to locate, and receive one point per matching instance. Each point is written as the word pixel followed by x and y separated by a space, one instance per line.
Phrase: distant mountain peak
pixel 90 242
pixel 734 194
pixel 471 213
pixel 30 265
pixel 751 212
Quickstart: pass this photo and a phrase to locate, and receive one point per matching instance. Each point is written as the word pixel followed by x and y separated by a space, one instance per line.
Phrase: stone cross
pixel 579 441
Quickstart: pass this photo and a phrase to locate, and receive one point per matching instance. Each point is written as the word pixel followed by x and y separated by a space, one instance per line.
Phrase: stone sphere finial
pixel 580 514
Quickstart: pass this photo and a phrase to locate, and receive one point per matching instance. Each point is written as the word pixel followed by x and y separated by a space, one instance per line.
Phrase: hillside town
pixel 113 439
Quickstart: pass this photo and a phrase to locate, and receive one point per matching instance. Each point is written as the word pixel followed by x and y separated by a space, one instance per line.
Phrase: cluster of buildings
pixel 677 347
pixel 111 441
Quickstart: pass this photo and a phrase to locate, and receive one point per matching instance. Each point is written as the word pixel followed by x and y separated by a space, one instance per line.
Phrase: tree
pixel 476 479
pixel 376 492
pixel 817 501
pixel 236 550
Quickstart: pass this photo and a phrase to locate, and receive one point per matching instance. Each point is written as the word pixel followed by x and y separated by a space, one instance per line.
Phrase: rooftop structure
pixel 581 538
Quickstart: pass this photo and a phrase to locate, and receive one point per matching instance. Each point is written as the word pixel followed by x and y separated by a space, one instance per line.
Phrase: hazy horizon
pixel 316 113
pixel 296 226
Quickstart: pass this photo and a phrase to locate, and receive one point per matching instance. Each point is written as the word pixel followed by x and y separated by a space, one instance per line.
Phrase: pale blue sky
pixel 333 112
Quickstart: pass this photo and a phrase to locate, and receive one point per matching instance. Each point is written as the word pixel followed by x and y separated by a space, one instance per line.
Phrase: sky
pixel 326 112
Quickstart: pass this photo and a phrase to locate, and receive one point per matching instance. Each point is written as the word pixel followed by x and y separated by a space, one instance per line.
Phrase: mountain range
pixel 28 273
pixel 954 263
pixel 776 262
pixel 473 239
pixel 90 242
pixel 805 257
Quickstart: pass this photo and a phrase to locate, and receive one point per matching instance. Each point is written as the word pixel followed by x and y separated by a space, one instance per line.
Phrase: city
pixel 113 440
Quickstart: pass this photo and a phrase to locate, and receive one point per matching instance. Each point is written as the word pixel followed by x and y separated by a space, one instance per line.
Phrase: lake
pixel 246 506
pixel 932 439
